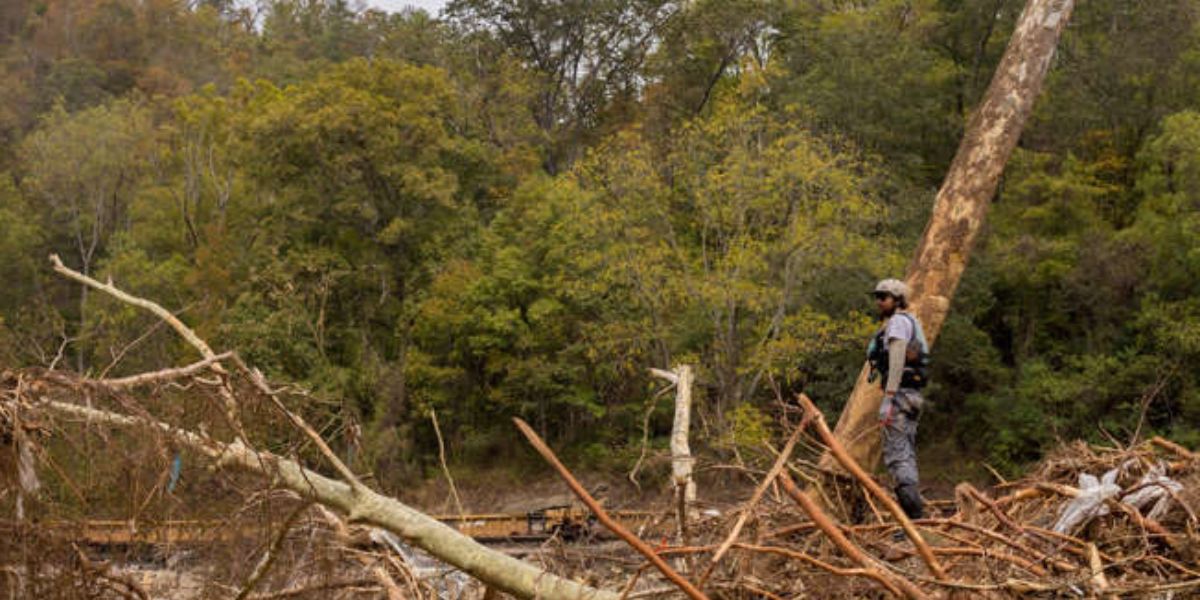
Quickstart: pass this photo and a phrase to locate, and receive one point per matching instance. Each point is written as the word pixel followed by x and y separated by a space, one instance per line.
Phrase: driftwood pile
pixel 1087 522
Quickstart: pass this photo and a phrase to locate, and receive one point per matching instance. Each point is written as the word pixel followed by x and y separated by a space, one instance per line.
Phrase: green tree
pixel 875 73
pixel 713 253
pixel 21 245
pixel 82 170
pixel 703 47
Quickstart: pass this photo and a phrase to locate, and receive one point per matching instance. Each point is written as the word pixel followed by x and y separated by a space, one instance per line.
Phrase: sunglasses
pixel 881 295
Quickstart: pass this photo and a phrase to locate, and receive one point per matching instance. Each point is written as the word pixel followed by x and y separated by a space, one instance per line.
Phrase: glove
pixel 887 411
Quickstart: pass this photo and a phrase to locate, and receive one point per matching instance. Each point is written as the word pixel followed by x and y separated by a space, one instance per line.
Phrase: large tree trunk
pixel 963 201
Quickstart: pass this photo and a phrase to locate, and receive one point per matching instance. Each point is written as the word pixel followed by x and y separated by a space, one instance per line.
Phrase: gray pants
pixel 899 424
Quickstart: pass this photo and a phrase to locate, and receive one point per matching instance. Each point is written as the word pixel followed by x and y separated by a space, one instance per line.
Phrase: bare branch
pixel 268 558
pixel 776 469
pixel 602 515
pixel 298 422
pixel 167 316
pixel 158 376
pixel 442 459
pixel 159 311
pixel 839 453
pixel 893 584
pixel 669 376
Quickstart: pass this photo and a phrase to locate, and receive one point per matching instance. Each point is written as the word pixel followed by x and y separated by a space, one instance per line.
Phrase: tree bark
pixel 963 202
pixel 681 453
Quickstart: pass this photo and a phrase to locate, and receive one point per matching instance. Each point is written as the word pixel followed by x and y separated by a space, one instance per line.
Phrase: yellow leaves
pixel 434 184
pixel 751 428
pixel 394 232
pixel 720 241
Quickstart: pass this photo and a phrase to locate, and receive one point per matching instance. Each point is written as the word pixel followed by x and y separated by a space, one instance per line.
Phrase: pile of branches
pixel 276 546
pixel 283 515
pixel 84 461
pixel 1087 522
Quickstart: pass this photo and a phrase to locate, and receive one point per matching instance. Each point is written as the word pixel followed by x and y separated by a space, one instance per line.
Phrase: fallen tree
pixel 347 495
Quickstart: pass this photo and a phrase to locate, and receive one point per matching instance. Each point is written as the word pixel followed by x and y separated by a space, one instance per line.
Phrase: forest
pixel 517 208
pixel 422 226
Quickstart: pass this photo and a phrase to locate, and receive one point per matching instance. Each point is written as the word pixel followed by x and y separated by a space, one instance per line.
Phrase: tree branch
pixel 602 515
pixel 440 540
pixel 157 376
pixel 894 584
pixel 848 463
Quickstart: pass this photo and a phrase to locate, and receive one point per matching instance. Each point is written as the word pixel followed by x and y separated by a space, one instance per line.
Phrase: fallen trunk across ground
pixel 349 496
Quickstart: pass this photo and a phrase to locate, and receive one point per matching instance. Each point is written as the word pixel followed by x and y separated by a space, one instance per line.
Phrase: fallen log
pixel 361 505
pixel 351 497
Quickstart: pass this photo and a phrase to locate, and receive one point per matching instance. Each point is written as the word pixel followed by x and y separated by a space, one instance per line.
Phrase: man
pixel 899 354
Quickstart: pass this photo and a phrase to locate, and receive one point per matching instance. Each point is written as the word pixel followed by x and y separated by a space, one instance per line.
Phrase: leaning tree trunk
pixel 963 201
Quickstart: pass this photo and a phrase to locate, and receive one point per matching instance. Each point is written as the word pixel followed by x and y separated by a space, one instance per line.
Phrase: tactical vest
pixel 916 356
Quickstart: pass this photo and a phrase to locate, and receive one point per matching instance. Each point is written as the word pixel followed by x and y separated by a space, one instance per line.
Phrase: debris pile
pixel 1087 522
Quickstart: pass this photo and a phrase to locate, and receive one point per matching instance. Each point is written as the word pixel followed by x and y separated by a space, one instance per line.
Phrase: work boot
pixel 911 501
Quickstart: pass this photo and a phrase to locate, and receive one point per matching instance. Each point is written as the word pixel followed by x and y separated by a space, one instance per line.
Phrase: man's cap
pixel 895 287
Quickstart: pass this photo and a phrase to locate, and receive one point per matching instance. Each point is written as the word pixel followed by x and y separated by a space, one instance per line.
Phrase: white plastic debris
pixel 1154 488
pixel 1090 503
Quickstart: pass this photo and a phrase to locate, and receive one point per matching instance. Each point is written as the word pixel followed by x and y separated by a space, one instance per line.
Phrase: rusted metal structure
pixel 567 522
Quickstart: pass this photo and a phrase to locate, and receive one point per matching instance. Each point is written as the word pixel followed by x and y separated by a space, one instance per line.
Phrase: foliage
pixel 519 207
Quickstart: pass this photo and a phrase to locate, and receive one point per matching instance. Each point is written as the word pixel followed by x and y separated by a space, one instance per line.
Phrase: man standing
pixel 898 353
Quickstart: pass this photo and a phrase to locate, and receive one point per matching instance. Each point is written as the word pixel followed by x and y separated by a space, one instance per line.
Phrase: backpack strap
pixel 918 332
